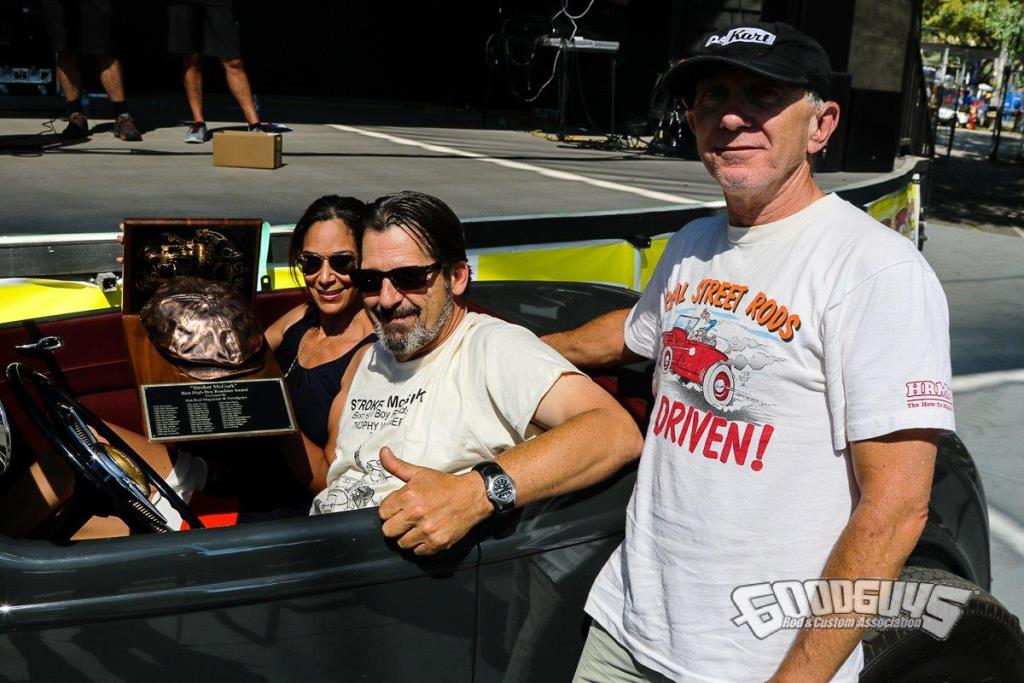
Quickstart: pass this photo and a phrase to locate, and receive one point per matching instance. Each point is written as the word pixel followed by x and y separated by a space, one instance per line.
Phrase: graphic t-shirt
pixel 828 328
pixel 466 401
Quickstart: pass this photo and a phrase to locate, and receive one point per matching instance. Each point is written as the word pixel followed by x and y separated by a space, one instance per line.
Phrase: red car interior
pixel 93 364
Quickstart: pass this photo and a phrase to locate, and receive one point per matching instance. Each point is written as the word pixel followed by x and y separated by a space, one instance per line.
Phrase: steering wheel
pixel 110 478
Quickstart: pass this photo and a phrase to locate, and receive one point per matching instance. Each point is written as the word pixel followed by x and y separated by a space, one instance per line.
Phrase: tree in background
pixel 984 23
pixel 998 24
pixel 979 23
pixel 1008 27
pixel 958 22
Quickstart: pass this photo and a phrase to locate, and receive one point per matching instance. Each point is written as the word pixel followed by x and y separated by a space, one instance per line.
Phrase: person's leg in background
pixel 112 79
pixel 192 75
pixel 59 29
pixel 70 78
pixel 96 38
pixel 185 38
pixel 222 39
pixel 238 83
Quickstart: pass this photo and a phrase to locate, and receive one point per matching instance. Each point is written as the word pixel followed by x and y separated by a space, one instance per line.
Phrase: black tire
pixel 986 644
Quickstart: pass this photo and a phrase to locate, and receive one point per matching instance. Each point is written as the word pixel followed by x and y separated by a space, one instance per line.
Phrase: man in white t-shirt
pixel 456 394
pixel 796 442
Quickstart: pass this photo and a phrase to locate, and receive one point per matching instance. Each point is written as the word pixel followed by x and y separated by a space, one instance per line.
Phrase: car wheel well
pixel 932 558
pixel 939 549
pixel 986 643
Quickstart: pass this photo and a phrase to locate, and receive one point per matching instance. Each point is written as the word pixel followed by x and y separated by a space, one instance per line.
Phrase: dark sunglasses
pixel 404 279
pixel 311 262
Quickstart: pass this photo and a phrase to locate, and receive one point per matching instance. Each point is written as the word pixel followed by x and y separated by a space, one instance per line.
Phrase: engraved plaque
pixel 208 410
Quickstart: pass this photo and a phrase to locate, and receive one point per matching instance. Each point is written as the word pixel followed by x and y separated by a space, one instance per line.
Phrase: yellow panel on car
pixel 613 262
pixel 25 299
pixel 283 277
pixel 651 256
pixel 608 261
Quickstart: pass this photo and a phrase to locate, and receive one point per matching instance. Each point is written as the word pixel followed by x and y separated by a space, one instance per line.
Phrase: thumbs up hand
pixel 434 510
pixel 397 467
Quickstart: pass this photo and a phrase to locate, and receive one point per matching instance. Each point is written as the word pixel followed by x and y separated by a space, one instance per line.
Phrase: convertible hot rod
pixel 284 597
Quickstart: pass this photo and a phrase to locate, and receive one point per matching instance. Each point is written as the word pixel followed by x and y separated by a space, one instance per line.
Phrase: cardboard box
pixel 242 149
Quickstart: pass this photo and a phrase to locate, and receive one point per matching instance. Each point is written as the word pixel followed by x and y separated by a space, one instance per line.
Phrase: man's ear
pixel 822 124
pixel 459 278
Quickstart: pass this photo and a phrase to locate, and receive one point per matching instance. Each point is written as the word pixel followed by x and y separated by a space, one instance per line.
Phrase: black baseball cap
pixel 774 50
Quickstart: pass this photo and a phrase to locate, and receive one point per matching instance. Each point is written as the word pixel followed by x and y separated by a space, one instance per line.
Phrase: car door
pixel 313 598
pixel 537 565
pixel 535 572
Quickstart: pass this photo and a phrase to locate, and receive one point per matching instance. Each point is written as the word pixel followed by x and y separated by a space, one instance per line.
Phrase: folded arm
pixel 589 438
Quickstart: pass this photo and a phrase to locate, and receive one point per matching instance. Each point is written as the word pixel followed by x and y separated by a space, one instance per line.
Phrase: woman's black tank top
pixel 312 390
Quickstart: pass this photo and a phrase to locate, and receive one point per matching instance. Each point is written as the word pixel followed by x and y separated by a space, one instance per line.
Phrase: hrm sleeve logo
pixel 928 394
pixel 742 34
pixel 766 608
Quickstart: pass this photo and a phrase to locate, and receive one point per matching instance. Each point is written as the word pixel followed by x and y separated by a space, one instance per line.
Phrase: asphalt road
pixel 54 187
pixel 980 272
pixel 969 189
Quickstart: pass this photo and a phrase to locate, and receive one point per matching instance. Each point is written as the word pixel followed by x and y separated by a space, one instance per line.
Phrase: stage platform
pixel 494 177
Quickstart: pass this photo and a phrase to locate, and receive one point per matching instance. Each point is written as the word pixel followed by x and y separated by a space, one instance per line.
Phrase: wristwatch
pixel 501 490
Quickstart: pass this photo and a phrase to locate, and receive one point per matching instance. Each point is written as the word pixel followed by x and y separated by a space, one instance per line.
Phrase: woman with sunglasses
pixel 315 341
pixel 313 344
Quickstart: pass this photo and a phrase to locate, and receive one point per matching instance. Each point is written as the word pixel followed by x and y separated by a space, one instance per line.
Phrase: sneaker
pixel 197 133
pixel 124 129
pixel 78 127
pixel 266 127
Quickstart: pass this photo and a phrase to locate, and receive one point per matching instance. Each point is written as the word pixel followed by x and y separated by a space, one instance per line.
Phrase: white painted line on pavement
pixel 1018 230
pixel 965 384
pixel 520 166
pixel 73 238
pixel 1006 529
pixel 601 212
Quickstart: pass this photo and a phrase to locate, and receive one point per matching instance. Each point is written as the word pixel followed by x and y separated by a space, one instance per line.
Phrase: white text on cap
pixel 742 34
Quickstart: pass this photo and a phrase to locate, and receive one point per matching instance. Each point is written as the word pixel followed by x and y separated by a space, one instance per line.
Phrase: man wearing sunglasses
pixel 432 420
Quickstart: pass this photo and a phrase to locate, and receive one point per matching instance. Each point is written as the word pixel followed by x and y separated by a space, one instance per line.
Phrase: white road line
pixel 1006 529
pixel 1018 231
pixel 965 384
pixel 520 166
pixel 41 240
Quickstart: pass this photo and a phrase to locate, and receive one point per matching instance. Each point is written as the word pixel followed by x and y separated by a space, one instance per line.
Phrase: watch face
pixel 503 489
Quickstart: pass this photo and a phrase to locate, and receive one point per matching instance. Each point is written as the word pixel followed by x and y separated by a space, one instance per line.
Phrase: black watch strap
pixel 500 488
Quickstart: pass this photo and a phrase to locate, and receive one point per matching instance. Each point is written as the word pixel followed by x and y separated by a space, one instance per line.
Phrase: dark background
pixel 483 54
pixel 456 53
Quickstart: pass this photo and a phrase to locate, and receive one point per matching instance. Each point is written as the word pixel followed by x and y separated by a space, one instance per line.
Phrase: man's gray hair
pixel 815 100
